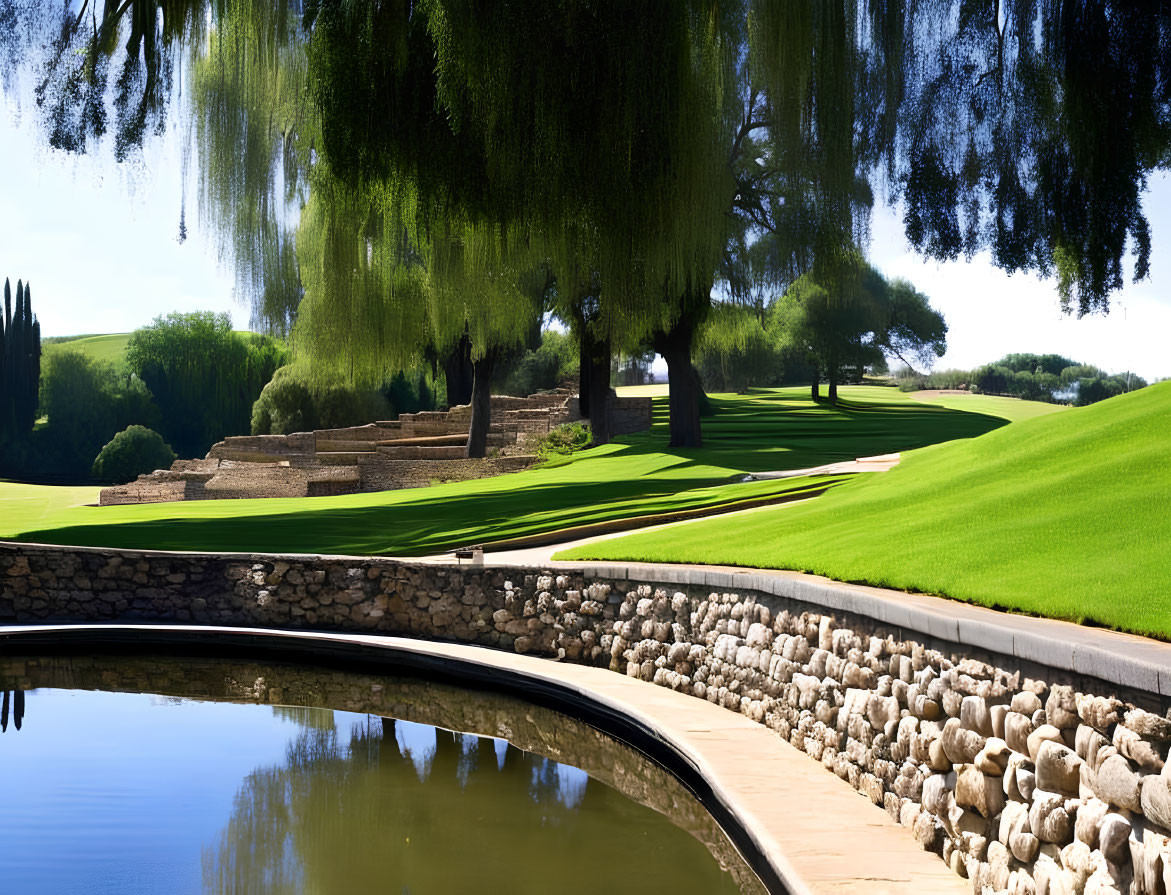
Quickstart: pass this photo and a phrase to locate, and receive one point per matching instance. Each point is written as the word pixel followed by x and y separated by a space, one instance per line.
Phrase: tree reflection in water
pixel 15 701
pixel 388 811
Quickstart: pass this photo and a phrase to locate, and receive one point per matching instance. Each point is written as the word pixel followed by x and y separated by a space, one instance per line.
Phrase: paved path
pixel 879 463
pixel 821 836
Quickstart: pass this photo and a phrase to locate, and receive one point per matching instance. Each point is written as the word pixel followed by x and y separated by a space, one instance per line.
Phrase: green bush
pixel 86 401
pixel 204 377
pixel 293 401
pixel 563 440
pixel 133 451
pixel 553 362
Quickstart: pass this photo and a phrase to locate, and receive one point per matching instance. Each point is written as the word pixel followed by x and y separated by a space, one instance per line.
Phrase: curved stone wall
pixel 1024 777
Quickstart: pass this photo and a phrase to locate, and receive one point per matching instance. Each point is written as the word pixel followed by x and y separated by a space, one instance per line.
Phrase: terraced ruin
pixel 414 450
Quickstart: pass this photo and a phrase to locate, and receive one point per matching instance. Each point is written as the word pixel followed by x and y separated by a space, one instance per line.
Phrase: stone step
pixel 343 458
pixel 455 438
pixel 424 416
pixel 496 438
pixel 369 432
pixel 408 452
pixel 325 445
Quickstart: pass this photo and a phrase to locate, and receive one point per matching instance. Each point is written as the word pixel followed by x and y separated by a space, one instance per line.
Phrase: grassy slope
pixel 110 348
pixel 769 429
pixel 1009 408
pixel 1063 515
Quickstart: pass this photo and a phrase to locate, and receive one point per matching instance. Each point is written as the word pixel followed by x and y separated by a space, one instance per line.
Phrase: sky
pixel 99 243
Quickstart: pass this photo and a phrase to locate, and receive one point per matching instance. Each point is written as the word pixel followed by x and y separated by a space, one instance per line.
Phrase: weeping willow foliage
pixel 253 127
pixel 472 142
pixel 591 138
pixel 815 68
pixel 377 300
pixel 733 350
pixel 1026 128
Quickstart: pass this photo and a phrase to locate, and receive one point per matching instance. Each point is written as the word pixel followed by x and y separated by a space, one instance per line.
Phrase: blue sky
pixel 99 243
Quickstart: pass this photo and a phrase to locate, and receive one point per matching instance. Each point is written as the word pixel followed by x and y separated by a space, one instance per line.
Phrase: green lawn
pixel 764 430
pixel 1065 515
pixel 1009 408
pixel 110 348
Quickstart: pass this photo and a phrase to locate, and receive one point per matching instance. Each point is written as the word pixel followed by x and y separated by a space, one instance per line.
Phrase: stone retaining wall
pixel 1025 779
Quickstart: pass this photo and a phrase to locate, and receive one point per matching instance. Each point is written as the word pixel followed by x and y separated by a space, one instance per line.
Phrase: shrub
pixel 553 362
pixel 133 451
pixel 563 440
pixel 295 402
pixel 87 401
pixel 204 377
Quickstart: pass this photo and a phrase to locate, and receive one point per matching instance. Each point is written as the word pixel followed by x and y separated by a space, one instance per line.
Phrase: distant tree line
pixel 1034 377
pixel 820 330
pixel 187 377
pixel 20 364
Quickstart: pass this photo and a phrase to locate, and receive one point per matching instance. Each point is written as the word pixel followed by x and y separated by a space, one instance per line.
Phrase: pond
pixel 198 775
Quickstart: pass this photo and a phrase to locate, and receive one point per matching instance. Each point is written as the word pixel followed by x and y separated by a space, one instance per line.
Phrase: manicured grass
pixel 1012 409
pixel 1064 515
pixel 764 430
pixel 110 348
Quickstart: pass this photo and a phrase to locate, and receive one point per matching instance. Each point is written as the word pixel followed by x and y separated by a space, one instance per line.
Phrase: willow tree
pixel 595 137
pixel 607 166
pixel 1025 128
pixel 253 128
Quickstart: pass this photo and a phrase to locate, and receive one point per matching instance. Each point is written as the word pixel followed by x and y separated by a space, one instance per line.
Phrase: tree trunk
pixel 815 389
pixel 599 392
pixel 833 380
pixel 684 386
pixel 457 370
pixel 583 381
pixel 481 405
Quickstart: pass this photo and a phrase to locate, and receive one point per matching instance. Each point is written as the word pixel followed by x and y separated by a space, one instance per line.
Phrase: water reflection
pixel 396 806
pixel 16 699
pixel 213 794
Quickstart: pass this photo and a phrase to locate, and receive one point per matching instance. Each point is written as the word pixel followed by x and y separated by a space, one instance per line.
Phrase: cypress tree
pixel 4 373
pixel 30 364
pixel 16 362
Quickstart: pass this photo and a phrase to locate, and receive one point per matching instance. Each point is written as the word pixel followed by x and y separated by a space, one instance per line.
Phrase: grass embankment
pixel 1009 408
pixel 110 347
pixel 1064 515
pixel 765 430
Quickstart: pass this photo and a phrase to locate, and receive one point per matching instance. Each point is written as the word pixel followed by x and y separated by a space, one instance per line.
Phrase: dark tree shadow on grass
pixel 743 436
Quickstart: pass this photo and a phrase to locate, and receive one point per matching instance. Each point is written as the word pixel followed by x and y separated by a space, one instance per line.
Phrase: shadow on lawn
pixel 756 435
pixel 744 436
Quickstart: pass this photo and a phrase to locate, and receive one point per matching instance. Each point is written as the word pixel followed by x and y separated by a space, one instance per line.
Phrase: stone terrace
pixel 415 450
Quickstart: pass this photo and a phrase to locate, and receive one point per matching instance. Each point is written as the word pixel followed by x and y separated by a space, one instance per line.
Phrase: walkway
pixel 879 463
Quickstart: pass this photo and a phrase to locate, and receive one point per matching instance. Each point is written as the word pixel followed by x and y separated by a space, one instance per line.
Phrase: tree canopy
pixel 387 175
pixel 856 319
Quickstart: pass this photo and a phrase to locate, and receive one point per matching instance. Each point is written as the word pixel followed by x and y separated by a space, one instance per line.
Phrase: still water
pixel 126 793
